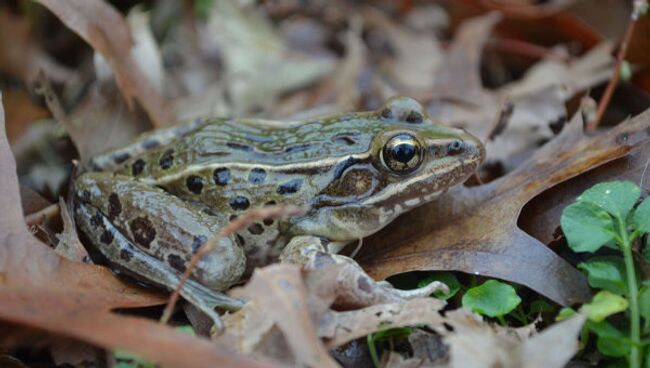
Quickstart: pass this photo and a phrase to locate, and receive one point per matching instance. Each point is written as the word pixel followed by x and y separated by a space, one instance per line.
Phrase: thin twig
pixel 616 76
pixel 240 223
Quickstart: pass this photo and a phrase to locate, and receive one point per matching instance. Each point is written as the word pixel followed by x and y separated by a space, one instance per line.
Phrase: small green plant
pixel 493 299
pixel 605 216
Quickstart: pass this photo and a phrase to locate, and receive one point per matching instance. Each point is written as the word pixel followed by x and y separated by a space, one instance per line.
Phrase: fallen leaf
pixel 277 297
pixel 474 230
pixel 42 290
pixel 258 65
pixel 105 29
pixel 476 344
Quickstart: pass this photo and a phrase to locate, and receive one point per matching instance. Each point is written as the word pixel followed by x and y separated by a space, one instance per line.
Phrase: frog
pixel 147 207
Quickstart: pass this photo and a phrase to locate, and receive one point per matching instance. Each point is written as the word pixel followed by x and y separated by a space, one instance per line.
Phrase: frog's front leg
pixel 152 235
pixel 355 288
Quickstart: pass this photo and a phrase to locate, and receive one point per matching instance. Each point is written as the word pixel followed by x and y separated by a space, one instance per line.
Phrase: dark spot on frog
pixel 221 176
pixel 414 117
pixel 167 159
pixel 323 259
pixel 126 254
pixel 194 184
pixel 114 206
pixel 106 237
pixel 364 284
pixel 268 221
pixel 143 231
pixel 232 218
pixel 270 203
pixel 557 125
pixel 198 242
pixel 120 157
pixel 345 140
pixel 257 176
pixel 150 143
pixel 324 241
pixel 239 146
pixel 298 148
pixel 239 203
pixel 177 262
pixel 255 229
pixel 240 240
pixel 137 167
pixel 386 113
pixel 292 186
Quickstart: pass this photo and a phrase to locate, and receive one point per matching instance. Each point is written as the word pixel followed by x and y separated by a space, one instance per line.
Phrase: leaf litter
pixel 472 229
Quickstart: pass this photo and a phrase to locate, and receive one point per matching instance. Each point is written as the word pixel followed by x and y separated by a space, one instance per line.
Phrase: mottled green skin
pixel 333 165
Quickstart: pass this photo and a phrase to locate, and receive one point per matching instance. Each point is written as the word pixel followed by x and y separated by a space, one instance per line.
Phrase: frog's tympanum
pixel 147 207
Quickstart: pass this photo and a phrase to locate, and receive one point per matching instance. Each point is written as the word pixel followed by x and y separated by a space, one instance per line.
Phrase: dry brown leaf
pixel 278 297
pixel 535 104
pixel 258 64
pixel 339 328
pixel 105 29
pixel 474 343
pixel 475 230
pixel 42 290
pixel 417 57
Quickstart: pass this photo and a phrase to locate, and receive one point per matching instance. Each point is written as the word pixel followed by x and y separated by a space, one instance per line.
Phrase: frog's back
pixel 245 143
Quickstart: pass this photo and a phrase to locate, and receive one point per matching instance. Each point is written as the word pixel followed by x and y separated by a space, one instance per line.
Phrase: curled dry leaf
pixel 474 343
pixel 278 297
pixel 39 289
pixel 475 229
pixel 99 24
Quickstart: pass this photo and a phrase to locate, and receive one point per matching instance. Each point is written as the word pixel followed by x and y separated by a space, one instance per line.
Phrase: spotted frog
pixel 147 207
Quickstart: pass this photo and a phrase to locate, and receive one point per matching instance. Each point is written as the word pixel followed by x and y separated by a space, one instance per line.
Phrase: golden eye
pixel 402 154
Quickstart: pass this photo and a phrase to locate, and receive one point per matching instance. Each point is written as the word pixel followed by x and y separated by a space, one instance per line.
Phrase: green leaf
pixel 642 216
pixel 615 197
pixel 614 347
pixel 603 305
pixel 606 273
pixel 540 306
pixel 565 313
pixel 492 299
pixel 611 341
pixel 446 278
pixel 586 227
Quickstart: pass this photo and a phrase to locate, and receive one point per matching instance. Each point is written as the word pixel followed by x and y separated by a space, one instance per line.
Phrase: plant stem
pixel 633 297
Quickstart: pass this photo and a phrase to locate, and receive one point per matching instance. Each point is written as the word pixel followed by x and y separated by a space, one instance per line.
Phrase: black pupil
pixel 403 152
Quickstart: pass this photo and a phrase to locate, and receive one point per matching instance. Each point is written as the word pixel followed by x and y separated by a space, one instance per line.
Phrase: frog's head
pixel 408 161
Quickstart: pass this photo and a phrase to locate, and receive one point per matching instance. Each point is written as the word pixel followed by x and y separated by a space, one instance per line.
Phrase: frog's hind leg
pixel 125 257
pixel 355 288
pixel 152 235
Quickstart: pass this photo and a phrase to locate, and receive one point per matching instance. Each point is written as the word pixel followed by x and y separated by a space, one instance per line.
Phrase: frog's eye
pixel 402 154
pixel 455 147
